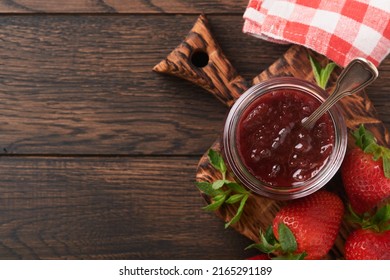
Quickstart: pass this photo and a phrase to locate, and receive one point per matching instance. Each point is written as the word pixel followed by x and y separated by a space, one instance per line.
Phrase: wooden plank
pixel 123 6
pixel 95 208
pixel 84 85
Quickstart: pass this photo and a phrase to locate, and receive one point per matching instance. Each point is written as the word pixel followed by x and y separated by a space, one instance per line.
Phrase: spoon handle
pixel 358 74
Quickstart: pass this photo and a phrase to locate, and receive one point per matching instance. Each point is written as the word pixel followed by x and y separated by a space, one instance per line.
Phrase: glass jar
pixel 241 112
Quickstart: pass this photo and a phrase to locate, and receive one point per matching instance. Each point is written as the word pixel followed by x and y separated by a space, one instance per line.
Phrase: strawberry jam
pixel 274 146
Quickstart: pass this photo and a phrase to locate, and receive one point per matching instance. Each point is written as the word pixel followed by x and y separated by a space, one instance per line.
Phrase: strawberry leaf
pixel 358 137
pixel 378 221
pixel 267 249
pixel 287 239
pixel 381 214
pixel 217 162
pixel 237 188
pixel 363 138
pixel 207 188
pixel 381 218
pixel 386 165
pixel 386 217
pixel 218 201
pixel 353 217
pixel 325 74
pixel 239 212
pixel 316 67
pixel 269 245
pixel 321 75
pixel 266 244
pixel 234 198
pixel 220 196
pixel 219 184
pixel 269 235
pixel 386 227
pixel 367 142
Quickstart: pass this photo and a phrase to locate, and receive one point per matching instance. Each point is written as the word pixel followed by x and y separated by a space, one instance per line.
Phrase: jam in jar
pixel 267 148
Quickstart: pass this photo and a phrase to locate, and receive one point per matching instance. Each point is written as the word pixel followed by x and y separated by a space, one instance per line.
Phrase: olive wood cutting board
pixel 200 60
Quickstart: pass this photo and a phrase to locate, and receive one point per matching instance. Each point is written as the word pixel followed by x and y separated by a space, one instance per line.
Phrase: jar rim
pixel 240 171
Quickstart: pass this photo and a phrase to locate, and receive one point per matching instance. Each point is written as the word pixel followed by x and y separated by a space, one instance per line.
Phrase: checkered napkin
pixel 338 29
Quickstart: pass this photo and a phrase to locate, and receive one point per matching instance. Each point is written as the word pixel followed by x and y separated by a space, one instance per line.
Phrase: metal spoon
pixel 358 74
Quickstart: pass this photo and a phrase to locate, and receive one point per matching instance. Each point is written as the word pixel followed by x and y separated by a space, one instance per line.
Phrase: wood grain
pixel 108 208
pixel 84 85
pixel 200 60
pixel 123 6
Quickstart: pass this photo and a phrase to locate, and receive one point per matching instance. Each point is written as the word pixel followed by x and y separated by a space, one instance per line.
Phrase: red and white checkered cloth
pixel 339 29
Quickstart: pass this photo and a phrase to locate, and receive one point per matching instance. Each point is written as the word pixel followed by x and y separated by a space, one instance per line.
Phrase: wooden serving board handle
pixel 200 60
pixel 219 78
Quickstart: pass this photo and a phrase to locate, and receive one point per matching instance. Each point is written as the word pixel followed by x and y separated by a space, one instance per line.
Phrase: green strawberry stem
pixel 379 221
pixel 282 249
pixel 223 191
pixel 367 142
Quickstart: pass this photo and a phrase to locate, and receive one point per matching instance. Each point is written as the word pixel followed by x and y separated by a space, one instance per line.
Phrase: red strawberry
pixel 366 244
pixel 366 178
pixel 305 228
pixel 372 241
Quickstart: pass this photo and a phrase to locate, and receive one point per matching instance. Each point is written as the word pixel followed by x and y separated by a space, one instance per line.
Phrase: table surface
pixel 98 153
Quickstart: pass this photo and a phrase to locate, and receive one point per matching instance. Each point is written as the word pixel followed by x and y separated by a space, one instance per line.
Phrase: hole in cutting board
pixel 200 58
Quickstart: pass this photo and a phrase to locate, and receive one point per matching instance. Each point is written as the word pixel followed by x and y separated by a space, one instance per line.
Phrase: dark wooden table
pixel 98 153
